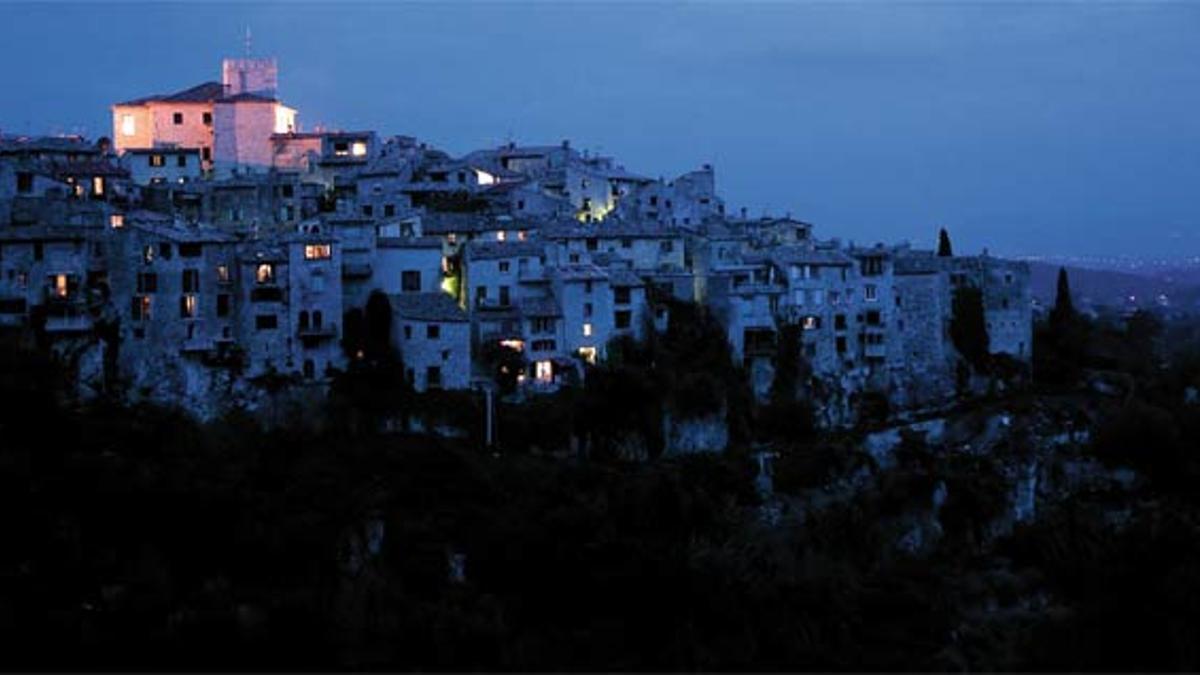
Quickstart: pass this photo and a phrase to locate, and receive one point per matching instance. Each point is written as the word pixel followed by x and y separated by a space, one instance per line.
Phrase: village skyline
pixel 859 118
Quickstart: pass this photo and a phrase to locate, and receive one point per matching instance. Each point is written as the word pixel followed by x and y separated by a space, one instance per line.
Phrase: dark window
pixel 592 244
pixel 623 318
pixel 24 182
pixel 389 210
pixel 266 322
pixel 839 321
pixel 653 200
pixel 180 160
pixel 621 295
pixel 873 318
pixel 310 369
pixel 407 331
pixel 37 250
pixel 164 251
pixel 191 250
pixel 433 377
pixel 410 281
pixel 433 331
pixel 206 118
pixel 303 319
pixel 206 153
pixel 178 118
pixel 147 282
pixel 368 210
pixel 285 191
pixel 504 295
pixel 190 280
pixel 223 305
pixel 317 319
pixel 841 344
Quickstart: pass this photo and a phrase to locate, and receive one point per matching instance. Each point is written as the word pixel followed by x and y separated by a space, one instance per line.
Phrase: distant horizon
pixel 1017 127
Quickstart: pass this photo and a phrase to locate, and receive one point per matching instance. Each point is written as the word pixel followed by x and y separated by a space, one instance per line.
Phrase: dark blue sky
pixel 1053 128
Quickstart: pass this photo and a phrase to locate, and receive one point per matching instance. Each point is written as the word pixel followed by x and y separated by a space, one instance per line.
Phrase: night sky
pixel 1028 128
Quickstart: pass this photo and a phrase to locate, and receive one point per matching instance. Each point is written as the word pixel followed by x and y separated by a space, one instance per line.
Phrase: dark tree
pixel 378 338
pixel 1064 308
pixel 944 248
pixel 968 329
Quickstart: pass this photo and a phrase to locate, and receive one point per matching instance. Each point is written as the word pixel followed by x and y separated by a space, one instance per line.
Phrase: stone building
pixel 433 336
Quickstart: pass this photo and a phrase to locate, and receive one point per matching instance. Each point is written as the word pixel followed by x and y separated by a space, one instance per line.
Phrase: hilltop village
pixel 211 252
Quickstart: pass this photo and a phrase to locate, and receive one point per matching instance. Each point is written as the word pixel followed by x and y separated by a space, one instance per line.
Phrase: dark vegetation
pixel 135 538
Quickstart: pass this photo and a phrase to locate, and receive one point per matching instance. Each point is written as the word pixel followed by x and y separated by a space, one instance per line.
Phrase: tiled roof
pixel 168 229
pixel 609 228
pixel 538 307
pixel 802 255
pixel 408 242
pixel 918 262
pixel 445 223
pixel 435 306
pixel 495 250
pixel 207 92
pixel 66 144
pixel 201 93
pixel 623 278
pixel 580 272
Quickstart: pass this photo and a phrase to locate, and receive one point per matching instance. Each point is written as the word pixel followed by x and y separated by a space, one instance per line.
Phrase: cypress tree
pixel 944 249
pixel 1063 307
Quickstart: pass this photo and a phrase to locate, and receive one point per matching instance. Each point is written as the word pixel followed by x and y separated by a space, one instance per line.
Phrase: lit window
pixel 544 371
pixel 187 306
pixel 223 274
pixel 811 323
pixel 128 125
pixel 117 220
pixel 265 273
pixel 588 354
pixel 516 345
pixel 587 330
pixel 157 160
pixel 500 235
pixel 522 235
pixel 358 149
pixel 148 254
pixel 318 251
pixel 98 186
pixel 60 285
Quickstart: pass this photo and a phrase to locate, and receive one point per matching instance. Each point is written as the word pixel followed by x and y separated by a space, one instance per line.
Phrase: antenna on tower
pixel 248 41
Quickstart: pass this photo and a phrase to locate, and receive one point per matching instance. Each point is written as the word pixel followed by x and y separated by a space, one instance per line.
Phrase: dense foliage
pixel 136 538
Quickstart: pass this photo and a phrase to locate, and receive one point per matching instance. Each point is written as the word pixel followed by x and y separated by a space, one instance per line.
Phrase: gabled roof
pixel 207 92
